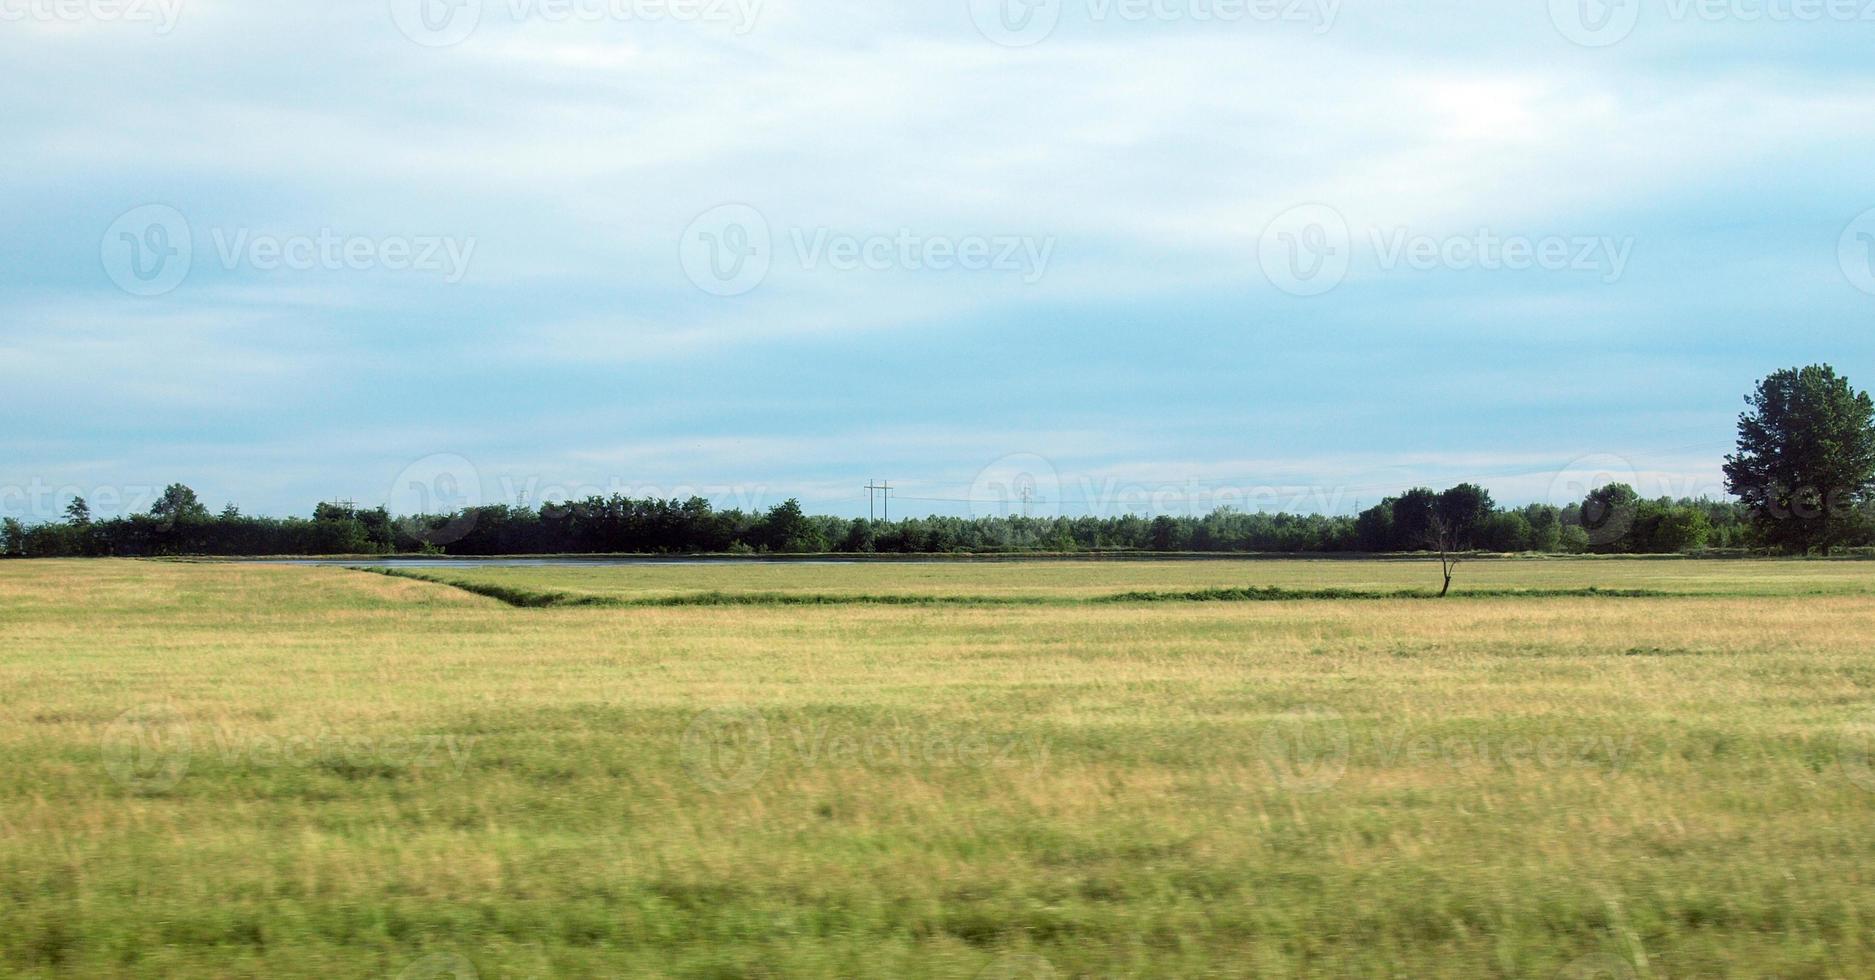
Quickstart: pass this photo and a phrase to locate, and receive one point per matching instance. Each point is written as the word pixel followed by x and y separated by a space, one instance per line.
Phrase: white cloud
pixel 1152 156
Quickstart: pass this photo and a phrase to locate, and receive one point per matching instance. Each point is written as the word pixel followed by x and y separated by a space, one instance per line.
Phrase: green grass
pixel 1093 579
pixel 341 774
pixel 524 598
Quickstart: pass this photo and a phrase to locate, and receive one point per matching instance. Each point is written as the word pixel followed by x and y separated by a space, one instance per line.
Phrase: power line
pixel 1377 487
pixel 883 492
pixel 1198 488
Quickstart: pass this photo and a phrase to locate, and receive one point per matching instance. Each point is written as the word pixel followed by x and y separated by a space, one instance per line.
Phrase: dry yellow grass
pixel 1059 579
pixel 215 770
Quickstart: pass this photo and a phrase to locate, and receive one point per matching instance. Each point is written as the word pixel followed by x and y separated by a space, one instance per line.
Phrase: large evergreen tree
pixel 1806 457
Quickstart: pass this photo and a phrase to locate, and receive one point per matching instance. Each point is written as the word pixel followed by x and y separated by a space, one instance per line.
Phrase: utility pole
pixel 875 487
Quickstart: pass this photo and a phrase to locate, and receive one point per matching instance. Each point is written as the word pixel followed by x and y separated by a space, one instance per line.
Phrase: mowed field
pixel 224 770
pixel 1003 580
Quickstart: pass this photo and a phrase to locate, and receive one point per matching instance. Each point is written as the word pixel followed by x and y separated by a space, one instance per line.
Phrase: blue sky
pixel 1139 256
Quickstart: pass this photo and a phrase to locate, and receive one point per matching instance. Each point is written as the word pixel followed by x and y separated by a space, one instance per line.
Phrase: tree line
pixel 1611 520
pixel 1804 475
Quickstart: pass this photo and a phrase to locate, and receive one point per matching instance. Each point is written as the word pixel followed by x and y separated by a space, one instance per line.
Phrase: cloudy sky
pixel 1154 256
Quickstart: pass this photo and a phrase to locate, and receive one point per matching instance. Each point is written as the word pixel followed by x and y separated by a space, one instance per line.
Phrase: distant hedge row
pixel 1610 520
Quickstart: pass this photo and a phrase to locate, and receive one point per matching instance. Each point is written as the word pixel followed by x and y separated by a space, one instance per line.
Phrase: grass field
pixel 1092 579
pixel 226 770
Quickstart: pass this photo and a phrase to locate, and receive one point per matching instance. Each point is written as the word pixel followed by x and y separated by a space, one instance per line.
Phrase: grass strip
pixel 1277 594
pixel 545 599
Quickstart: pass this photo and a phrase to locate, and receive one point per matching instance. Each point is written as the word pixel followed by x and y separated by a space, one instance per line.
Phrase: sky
pixel 1054 256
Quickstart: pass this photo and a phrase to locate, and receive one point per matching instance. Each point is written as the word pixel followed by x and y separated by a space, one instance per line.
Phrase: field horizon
pixel 232 769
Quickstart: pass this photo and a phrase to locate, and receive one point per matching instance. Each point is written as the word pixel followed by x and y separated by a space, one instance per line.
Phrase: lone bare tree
pixel 1442 536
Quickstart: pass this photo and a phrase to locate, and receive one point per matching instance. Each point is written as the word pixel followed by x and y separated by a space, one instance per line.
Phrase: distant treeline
pixel 1612 519
pixel 1804 474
